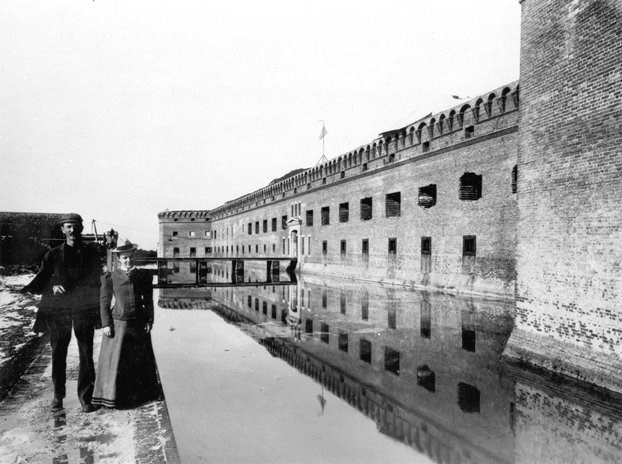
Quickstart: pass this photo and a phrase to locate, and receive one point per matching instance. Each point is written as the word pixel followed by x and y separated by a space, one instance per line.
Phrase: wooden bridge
pixel 200 270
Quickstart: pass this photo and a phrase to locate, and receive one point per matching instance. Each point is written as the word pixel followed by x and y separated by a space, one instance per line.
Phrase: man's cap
pixel 125 248
pixel 70 217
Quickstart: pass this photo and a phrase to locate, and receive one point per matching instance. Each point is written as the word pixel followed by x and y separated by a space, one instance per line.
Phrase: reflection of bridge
pixel 200 272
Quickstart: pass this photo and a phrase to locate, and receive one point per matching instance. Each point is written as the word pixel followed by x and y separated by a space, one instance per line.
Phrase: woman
pixel 126 372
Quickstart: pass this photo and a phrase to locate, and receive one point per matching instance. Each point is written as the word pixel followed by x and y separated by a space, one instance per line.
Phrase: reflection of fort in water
pixel 426 367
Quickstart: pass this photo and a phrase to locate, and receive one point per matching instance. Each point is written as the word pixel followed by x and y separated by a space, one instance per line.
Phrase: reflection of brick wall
pixel 569 188
pixel 184 230
pixel 24 236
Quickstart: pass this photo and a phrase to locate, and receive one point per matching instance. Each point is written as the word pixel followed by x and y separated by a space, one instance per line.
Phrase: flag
pixel 324 132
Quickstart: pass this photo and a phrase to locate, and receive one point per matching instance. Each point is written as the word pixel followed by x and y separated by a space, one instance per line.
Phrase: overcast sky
pixel 121 109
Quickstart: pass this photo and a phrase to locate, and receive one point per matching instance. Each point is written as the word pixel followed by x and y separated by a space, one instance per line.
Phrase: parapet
pixel 184 215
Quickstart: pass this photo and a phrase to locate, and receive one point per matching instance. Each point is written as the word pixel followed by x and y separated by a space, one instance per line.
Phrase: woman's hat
pixel 125 248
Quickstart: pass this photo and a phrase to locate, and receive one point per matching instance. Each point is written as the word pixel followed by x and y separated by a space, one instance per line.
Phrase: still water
pixel 336 371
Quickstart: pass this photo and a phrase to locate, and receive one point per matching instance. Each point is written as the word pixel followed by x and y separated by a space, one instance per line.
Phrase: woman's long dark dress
pixel 126 371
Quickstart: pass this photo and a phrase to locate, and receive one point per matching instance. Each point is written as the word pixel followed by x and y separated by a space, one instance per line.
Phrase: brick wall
pixel 570 184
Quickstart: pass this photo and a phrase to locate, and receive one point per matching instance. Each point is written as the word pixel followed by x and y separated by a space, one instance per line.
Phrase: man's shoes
pixel 88 407
pixel 57 403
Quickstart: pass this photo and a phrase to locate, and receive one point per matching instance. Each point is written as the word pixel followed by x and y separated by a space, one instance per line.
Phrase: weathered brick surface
pixel 404 166
pixel 570 177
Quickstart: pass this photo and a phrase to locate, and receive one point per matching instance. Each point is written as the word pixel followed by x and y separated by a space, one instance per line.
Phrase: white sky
pixel 119 109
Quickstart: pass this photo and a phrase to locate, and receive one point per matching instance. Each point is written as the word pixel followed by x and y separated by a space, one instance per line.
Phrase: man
pixel 69 281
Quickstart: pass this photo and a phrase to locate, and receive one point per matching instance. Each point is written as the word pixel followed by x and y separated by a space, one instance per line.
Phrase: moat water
pixel 327 371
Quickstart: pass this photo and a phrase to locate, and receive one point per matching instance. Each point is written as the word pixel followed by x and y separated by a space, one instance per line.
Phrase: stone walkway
pixel 30 432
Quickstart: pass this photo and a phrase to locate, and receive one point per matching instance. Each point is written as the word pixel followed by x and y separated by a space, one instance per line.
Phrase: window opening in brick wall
pixel 325 215
pixel 309 246
pixel 309 326
pixel 343 341
pixel 425 147
pixel 392 317
pixel 365 306
pixel 324 248
pixel 469 245
pixel 265 226
pixel 208 250
pixel 393 203
pixel 284 222
pixel 342 303
pixel 323 180
pixel 256 304
pixel 426 378
pixel 470 187
pixel 302 245
pixel 191 233
pixel 174 233
pixel 250 228
pixel 365 350
pixel 249 301
pixel 391 360
pixel 366 209
pixel 309 217
pixel 343 174
pixel 256 227
pixel 469 132
pixel 426 254
pixel 427 196
pixel 193 252
pixel 468 339
pixel 364 167
pixel 391 157
pixel 273 224
pixel 324 298
pixel 175 252
pixel 392 246
pixel 468 397
pixel 264 307
pixel 283 246
pixel 514 179
pixel 344 212
pixel 342 249
pixel 256 248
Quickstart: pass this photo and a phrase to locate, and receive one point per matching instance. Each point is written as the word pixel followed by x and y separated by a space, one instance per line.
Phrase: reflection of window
pixel 342 303
pixel 391 360
pixel 324 247
pixel 343 341
pixel 324 298
pixel 392 246
pixel 365 249
pixel 365 306
pixel 342 249
pixel 426 378
pixel 365 350
pixel 468 397
pixel 324 333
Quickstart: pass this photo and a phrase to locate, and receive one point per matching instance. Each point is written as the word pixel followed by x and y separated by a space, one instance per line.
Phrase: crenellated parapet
pixel 436 130
pixel 184 215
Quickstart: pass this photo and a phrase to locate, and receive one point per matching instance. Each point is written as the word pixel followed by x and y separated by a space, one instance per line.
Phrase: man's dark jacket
pixel 81 297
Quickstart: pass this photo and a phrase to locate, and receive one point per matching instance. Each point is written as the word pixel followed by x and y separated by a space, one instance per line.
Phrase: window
pixel 309 218
pixel 283 246
pixel 250 228
pixel 193 252
pixel 514 179
pixel 391 360
pixel 273 224
pixel 343 249
pixel 469 132
pixel 175 252
pixel 265 226
pixel 365 249
pixel 364 167
pixel 468 339
pixel 427 196
pixel 284 222
pixel 393 204
pixel 344 212
pixel 174 233
pixel 256 227
pixel 426 245
pixel 250 301
pixel 324 248
pixel 343 341
pixel 208 234
pixel 342 303
pixel 392 246
pixel 365 350
pixel 273 311
pixel 309 246
pixel 469 245
pixel 366 209
pixel 470 187
pixel 264 307
pixel 256 304
pixel 309 326
pixel 191 233
pixel 343 174
pixel 208 250
pixel 425 147
pixel 325 215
